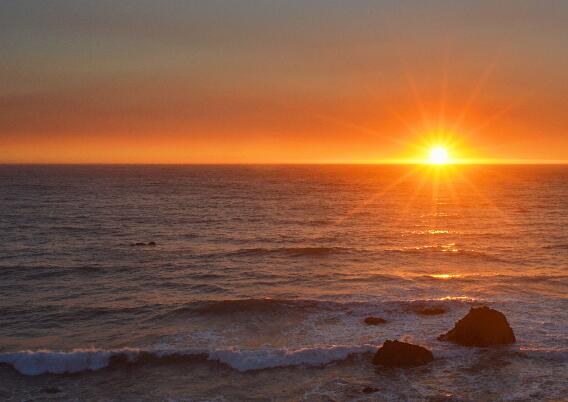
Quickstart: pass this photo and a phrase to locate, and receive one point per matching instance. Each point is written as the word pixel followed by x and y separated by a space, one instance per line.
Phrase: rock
pixel 481 327
pixel 431 311
pixel 402 354
pixel 374 321
pixel 370 390
pixel 138 244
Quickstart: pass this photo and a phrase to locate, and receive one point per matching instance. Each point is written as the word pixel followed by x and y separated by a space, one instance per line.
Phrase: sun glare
pixel 439 156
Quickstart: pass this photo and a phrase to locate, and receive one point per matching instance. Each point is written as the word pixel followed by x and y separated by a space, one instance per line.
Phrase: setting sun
pixel 439 156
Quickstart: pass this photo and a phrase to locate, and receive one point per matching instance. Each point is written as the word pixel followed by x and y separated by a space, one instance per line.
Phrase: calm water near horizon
pixel 261 276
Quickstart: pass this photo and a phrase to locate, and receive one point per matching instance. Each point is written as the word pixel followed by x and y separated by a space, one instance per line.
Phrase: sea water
pixel 261 276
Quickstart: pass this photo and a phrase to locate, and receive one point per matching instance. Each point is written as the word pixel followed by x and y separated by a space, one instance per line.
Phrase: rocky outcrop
pixel 481 327
pixel 402 354
pixel 374 321
pixel 140 244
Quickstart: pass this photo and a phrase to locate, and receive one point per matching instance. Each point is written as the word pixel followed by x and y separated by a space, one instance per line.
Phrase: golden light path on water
pixel 433 187
pixel 446 276
pixel 438 151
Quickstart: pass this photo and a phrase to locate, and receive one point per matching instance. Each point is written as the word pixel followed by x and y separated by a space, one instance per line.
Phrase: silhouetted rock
pixel 374 321
pixel 370 390
pixel 138 244
pixel 402 354
pixel 431 311
pixel 152 243
pixel 51 390
pixel 482 326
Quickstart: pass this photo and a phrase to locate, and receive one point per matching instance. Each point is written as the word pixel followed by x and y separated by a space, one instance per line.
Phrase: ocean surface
pixel 261 276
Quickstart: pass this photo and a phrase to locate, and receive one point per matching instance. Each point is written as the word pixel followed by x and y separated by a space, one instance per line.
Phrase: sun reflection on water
pixel 438 231
pixel 446 276
pixel 457 298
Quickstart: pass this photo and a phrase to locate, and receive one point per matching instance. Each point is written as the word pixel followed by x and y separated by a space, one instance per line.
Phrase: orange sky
pixel 258 82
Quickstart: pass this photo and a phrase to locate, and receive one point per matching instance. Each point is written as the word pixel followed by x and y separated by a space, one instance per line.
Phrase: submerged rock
pixel 51 390
pixel 374 321
pixel 370 390
pixel 431 311
pixel 139 244
pixel 402 354
pixel 481 327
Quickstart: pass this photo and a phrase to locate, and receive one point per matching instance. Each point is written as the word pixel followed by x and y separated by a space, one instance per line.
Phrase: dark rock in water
pixel 402 354
pixel 374 321
pixel 481 327
pixel 51 390
pixel 138 244
pixel 370 390
pixel 431 311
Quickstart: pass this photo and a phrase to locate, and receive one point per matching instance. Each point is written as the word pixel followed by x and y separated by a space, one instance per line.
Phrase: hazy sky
pixel 281 81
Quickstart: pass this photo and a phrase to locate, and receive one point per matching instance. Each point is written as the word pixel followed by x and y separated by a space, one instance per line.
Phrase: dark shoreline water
pixel 261 273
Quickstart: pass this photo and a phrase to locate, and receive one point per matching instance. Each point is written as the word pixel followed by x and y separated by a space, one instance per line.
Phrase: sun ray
pixel 443 96
pixel 476 192
pixel 417 100
pixel 362 205
pixel 473 96
pixel 417 189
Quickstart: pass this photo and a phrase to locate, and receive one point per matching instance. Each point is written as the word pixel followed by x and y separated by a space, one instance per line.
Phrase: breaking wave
pixel 40 362
pixel 45 361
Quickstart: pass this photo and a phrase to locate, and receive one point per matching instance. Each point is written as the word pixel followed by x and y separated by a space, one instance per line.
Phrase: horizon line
pixel 329 163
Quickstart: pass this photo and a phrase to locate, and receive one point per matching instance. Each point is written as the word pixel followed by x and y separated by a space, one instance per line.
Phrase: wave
pixel 38 272
pixel 556 247
pixel 252 306
pixel 33 363
pixel 195 288
pixel 533 278
pixel 54 315
pixel 449 251
pixel 53 362
pixel 44 361
pixel 485 276
pixel 263 359
pixel 292 251
pixel 282 307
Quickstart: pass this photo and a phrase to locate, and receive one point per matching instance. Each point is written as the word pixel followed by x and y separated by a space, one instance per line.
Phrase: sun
pixel 439 156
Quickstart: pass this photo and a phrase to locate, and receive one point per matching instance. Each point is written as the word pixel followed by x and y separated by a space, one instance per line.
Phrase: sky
pixel 282 81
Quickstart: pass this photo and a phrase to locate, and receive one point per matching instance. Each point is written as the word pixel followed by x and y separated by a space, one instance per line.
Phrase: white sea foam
pixel 245 360
pixel 75 361
pixel 45 361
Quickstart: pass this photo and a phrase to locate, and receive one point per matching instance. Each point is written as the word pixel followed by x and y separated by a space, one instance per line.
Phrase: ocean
pixel 261 276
